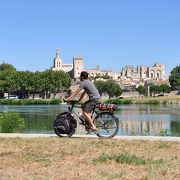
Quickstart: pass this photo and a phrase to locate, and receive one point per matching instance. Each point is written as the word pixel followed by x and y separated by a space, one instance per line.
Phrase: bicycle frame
pixel 93 113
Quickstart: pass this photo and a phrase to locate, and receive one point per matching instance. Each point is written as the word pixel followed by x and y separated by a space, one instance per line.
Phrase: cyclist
pixel 94 98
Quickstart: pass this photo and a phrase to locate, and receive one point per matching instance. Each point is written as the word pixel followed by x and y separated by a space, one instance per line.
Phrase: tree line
pixel 154 89
pixel 23 83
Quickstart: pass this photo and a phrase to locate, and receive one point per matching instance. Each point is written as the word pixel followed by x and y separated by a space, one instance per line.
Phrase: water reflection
pixel 148 119
pixel 134 119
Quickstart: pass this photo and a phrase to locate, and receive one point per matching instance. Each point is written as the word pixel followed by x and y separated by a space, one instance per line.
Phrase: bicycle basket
pixel 107 107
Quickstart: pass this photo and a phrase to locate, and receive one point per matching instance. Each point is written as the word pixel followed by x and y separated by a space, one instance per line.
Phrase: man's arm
pixel 73 94
pixel 82 96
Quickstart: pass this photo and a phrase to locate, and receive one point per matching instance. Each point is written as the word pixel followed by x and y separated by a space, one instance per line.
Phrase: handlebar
pixel 70 102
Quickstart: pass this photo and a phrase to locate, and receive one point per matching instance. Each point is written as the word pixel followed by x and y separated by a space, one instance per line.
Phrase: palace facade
pixel 141 73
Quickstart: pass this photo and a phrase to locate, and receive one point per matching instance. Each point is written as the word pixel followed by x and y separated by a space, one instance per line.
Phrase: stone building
pixel 144 72
pixel 129 73
pixel 77 67
pixel 58 65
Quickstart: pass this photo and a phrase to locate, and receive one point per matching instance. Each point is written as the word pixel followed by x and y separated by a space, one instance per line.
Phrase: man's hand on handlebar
pixel 66 100
pixel 70 101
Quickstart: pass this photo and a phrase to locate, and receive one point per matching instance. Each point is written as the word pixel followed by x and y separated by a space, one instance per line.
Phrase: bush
pixel 153 102
pixel 119 101
pixel 114 101
pixel 55 101
pixel 29 101
pixel 8 101
pixel 11 122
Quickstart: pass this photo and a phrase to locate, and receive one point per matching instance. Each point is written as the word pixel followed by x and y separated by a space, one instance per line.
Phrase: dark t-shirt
pixel 90 88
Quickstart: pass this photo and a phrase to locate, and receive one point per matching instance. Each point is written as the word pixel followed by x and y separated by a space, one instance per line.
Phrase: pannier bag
pixel 109 107
pixel 64 123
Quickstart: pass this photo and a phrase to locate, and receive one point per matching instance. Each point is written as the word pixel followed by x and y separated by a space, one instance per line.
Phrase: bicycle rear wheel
pixel 106 124
pixel 58 131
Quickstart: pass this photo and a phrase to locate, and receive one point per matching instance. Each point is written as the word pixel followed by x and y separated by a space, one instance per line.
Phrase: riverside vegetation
pixel 83 158
pixel 147 100
pixel 11 122
pixel 139 100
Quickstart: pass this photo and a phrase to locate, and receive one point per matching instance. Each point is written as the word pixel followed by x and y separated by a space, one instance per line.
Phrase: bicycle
pixel 107 124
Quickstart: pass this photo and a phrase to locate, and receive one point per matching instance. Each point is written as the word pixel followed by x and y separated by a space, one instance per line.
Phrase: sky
pixel 108 33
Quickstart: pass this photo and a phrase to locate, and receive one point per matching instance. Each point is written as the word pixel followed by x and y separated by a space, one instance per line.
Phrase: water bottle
pixel 81 116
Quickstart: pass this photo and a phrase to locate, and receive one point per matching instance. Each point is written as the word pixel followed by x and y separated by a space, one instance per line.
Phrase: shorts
pixel 90 104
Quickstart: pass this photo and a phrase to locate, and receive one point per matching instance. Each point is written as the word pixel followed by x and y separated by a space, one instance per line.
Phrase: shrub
pixel 164 102
pixel 127 101
pixel 153 102
pixel 114 101
pixel 55 101
pixel 8 101
pixel 119 101
pixel 29 101
pixel 11 122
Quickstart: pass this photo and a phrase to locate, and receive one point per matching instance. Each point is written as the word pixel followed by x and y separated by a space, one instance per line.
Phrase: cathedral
pixel 141 73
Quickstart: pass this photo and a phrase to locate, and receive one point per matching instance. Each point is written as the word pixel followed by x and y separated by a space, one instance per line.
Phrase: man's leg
pixel 89 120
pixel 87 108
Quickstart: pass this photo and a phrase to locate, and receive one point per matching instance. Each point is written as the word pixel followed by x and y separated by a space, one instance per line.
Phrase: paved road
pixel 150 138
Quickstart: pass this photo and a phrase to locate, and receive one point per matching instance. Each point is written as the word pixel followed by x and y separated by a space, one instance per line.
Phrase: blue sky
pixel 108 33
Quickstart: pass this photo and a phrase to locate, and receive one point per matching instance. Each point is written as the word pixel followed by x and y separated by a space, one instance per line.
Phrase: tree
pixel 6 66
pixel 141 89
pixel 174 78
pixel 155 89
pixel 113 89
pixel 99 76
pixel 8 83
pixel 60 81
pixel 165 88
pixel 54 80
pixel 100 86
pixel 109 87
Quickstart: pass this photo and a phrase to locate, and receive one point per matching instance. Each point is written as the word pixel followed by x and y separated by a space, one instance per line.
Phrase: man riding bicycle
pixel 94 98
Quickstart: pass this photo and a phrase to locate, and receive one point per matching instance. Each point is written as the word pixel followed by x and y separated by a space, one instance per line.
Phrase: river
pixel 134 119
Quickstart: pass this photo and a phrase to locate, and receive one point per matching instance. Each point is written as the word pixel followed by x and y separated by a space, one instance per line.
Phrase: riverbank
pixel 162 99
pixel 144 138
pixel 127 100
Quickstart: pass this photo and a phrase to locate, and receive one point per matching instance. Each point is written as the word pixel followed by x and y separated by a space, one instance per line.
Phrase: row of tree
pixel 24 82
pixel 154 89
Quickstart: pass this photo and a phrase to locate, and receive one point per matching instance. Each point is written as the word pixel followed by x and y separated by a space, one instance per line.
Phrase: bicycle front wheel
pixel 106 124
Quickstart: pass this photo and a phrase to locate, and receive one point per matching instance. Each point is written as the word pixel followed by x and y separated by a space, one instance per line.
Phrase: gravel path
pixel 150 138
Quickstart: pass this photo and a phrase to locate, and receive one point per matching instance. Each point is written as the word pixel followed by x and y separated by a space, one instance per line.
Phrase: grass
pixel 81 158
pixel 161 99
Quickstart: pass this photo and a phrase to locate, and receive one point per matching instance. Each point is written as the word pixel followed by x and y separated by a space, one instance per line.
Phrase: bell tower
pixel 57 61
